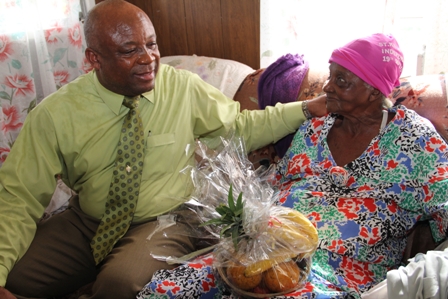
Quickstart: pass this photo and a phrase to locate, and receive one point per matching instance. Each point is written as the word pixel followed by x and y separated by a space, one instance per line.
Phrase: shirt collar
pixel 114 100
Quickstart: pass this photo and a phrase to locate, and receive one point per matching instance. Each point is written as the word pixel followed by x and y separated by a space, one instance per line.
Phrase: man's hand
pixel 5 294
pixel 318 106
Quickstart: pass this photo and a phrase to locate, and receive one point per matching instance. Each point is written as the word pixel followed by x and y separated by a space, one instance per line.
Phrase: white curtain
pixel 436 37
pixel 41 48
pixel 315 28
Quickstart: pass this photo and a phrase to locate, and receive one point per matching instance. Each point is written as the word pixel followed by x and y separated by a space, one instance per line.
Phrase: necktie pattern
pixel 124 187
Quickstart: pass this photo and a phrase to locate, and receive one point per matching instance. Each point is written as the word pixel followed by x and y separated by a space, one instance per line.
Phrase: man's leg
pixel 130 265
pixel 59 260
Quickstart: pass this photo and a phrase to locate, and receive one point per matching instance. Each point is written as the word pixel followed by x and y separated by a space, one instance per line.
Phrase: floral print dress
pixel 362 211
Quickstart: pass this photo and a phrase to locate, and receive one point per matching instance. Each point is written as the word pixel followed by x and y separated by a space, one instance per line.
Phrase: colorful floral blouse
pixel 362 211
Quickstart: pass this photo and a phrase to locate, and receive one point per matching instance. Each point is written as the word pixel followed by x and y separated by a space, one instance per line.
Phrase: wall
pixel 228 29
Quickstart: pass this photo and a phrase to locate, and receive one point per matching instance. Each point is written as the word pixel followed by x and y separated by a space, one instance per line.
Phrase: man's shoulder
pixel 82 86
pixel 168 72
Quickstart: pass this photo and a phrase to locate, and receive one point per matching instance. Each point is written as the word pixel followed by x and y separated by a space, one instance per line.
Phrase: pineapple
pixel 278 271
pixel 231 218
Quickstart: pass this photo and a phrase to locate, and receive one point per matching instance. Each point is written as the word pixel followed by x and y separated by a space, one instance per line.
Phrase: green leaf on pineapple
pixel 231 220
pixel 230 199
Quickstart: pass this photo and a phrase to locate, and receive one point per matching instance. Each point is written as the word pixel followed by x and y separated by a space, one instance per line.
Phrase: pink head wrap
pixel 376 59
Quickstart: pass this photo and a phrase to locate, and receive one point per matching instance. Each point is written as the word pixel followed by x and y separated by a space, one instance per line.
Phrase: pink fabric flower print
pixel 5 48
pixel 4 152
pixel 22 84
pixel 414 95
pixel 52 35
pixel 74 35
pixel 11 119
pixel 61 78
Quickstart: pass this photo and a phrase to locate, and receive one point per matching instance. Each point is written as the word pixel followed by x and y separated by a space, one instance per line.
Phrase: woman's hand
pixel 318 106
pixel 5 294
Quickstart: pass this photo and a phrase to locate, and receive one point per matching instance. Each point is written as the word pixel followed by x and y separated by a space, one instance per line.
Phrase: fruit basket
pixel 273 261
pixel 262 249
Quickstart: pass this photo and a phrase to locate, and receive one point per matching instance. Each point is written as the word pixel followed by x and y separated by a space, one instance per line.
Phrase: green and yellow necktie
pixel 125 185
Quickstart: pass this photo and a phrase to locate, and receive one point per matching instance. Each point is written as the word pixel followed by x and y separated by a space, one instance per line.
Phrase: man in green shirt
pixel 74 133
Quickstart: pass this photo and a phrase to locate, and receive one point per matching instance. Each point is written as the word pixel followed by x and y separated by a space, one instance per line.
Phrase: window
pixel 315 28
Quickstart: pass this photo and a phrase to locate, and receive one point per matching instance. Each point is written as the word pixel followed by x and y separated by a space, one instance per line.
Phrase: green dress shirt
pixel 75 131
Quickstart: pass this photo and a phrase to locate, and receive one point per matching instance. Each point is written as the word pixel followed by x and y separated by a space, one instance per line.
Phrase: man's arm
pixel 27 182
pixel 261 127
pixel 215 115
pixel 318 106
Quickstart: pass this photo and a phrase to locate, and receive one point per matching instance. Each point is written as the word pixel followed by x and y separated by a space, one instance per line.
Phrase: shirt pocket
pixel 158 156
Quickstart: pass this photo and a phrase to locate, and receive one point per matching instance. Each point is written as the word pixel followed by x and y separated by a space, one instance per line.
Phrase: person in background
pixel 74 134
pixel 281 82
pixel 365 173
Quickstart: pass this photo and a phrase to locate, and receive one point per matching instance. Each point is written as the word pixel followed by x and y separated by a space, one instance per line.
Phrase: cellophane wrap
pixel 272 234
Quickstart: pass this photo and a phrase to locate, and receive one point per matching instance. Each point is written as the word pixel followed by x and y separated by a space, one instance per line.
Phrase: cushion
pixel 426 95
pixel 224 74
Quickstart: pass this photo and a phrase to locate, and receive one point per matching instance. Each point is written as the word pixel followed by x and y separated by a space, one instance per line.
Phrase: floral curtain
pixel 41 49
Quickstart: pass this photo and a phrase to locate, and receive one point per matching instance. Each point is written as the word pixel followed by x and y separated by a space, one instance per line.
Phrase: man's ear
pixel 92 57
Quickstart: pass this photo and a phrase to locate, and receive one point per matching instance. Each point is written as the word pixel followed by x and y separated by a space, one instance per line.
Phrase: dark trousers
pixel 59 260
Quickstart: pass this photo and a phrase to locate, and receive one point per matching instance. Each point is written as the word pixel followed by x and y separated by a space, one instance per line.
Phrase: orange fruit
pixel 282 277
pixel 235 273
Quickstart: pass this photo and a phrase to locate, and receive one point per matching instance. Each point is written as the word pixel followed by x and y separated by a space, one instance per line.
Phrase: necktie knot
pixel 131 102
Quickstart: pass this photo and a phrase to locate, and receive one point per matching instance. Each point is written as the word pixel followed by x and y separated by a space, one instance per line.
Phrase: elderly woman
pixel 365 173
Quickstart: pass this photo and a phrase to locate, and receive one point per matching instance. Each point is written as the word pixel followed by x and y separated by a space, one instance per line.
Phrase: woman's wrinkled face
pixel 127 58
pixel 346 92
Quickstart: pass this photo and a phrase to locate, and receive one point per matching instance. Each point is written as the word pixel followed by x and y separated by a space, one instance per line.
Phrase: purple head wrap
pixel 280 82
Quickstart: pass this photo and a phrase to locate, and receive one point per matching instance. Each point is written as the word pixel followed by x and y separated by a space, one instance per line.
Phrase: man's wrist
pixel 316 107
pixel 305 110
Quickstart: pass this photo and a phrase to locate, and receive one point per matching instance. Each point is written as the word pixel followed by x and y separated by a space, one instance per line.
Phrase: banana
pixel 263 265
pixel 303 223
pixel 294 235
